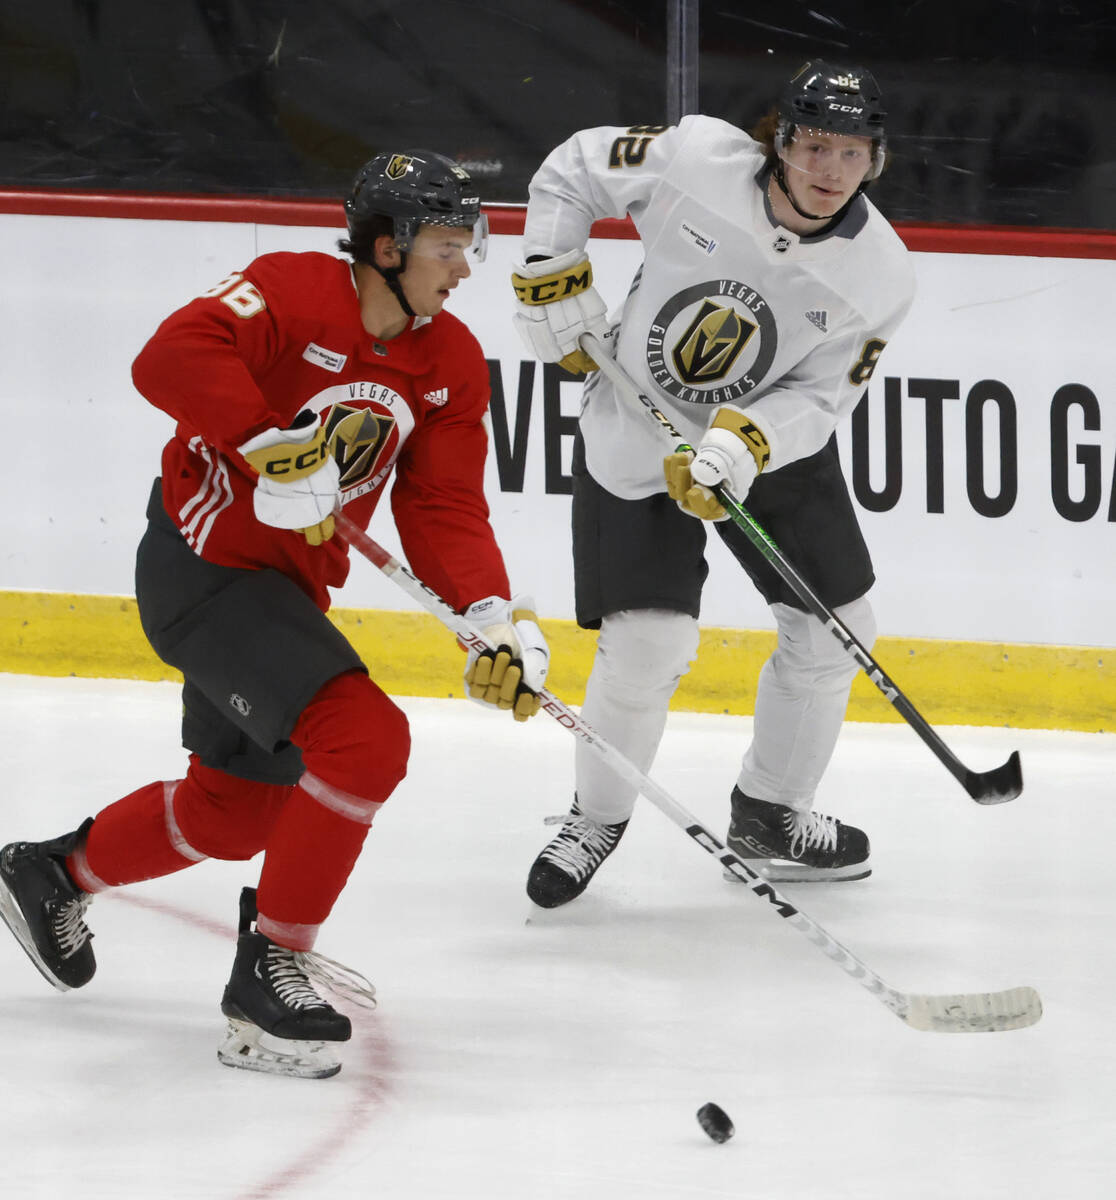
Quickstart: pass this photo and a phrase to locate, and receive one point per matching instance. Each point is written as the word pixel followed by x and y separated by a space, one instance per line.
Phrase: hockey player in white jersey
pixel 769 288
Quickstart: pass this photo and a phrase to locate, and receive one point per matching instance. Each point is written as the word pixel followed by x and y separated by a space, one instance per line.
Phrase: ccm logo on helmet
pixel 846 108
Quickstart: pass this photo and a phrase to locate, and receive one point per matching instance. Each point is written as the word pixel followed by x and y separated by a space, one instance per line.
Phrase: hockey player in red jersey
pixel 298 385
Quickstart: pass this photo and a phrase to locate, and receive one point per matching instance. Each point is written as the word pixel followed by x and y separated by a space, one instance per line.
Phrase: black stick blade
pixel 998 785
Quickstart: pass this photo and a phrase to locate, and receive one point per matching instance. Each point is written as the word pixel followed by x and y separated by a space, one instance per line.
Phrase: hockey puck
pixel 715 1122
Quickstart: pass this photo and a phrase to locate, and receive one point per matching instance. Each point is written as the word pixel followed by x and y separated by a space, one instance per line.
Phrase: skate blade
pixel 13 917
pixel 249 1048
pixel 777 870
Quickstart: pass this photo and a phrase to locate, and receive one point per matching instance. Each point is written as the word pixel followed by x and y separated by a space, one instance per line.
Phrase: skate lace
pixel 810 831
pixel 344 982
pixel 580 846
pixel 294 973
pixel 69 927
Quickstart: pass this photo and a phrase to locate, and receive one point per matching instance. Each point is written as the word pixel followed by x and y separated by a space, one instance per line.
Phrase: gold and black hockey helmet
pixel 834 99
pixel 413 188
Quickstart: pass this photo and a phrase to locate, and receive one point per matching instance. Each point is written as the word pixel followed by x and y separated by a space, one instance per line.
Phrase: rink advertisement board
pixel 982 457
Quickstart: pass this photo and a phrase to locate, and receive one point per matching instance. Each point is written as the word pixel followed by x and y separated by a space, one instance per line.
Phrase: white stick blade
pixel 975 1012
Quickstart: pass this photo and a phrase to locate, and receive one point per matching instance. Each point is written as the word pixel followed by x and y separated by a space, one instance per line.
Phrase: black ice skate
pixel 278 1023
pixel 563 870
pixel 789 846
pixel 45 909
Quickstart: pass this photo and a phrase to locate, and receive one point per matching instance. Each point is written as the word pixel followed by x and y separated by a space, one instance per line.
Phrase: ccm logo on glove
pixel 511 673
pixel 555 304
pixel 299 483
pixel 296 466
pixel 555 286
pixel 732 454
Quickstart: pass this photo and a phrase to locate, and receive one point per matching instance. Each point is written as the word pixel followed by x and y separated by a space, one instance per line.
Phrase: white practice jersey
pixel 729 306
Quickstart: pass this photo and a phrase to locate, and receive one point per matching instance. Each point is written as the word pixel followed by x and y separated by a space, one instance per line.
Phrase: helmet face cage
pixel 416 188
pixel 842 100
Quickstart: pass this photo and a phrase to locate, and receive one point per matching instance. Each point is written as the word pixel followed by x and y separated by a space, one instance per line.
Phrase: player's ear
pixel 384 251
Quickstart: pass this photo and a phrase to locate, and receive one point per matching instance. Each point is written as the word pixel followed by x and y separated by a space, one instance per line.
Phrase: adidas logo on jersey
pixel 438 396
pixel 818 317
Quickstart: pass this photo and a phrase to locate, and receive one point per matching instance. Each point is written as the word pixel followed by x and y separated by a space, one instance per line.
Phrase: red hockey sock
pixel 355 744
pixel 131 840
pixel 310 855
pixel 164 827
pixel 224 816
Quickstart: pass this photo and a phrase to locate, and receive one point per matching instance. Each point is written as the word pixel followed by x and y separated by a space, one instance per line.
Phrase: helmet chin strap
pixel 391 275
pixel 781 182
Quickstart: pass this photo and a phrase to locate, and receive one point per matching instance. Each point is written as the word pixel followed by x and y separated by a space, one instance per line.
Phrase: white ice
pixel 520 1054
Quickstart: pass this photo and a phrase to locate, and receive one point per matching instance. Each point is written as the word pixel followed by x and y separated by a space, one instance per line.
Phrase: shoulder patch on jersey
pixel 819 318
pixel 702 241
pixel 321 357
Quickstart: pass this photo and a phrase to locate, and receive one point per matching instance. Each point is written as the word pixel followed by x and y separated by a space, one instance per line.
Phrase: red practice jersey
pixel 285 335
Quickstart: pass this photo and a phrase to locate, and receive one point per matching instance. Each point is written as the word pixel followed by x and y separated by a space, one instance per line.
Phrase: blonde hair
pixel 763 131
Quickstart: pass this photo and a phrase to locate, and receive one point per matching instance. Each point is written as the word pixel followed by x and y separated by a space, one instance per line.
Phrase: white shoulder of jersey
pixel 613 171
pixel 706 140
pixel 881 269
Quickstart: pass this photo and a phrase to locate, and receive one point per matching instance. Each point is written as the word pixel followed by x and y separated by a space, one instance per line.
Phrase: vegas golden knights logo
pixel 398 166
pixel 356 437
pixel 707 350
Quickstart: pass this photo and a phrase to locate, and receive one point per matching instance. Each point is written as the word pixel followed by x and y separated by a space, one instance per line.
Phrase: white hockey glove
pixel 733 452
pixel 512 674
pixel 298 485
pixel 556 304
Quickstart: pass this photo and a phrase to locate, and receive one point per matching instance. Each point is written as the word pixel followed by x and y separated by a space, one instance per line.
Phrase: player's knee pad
pixel 646 651
pixel 353 738
pixel 808 651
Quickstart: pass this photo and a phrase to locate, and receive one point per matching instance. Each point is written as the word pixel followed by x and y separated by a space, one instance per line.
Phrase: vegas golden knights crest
pixel 398 166
pixel 711 344
pixel 357 437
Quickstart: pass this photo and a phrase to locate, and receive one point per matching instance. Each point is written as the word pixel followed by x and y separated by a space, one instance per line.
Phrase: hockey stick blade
pixel 989 787
pixel 998 785
pixel 975 1012
pixel 981 1012
pixel 961 1012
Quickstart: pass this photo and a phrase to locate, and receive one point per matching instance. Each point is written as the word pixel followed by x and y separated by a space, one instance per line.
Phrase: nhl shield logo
pixel 399 165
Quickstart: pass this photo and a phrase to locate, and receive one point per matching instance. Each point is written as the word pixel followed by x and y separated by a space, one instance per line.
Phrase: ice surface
pixel 521 1054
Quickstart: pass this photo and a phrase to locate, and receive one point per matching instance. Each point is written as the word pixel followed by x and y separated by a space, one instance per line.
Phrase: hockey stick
pixel 973 1012
pixel 985 787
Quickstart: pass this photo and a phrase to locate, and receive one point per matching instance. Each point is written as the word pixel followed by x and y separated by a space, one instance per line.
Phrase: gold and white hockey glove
pixel 511 675
pixel 298 485
pixel 555 304
pixel 733 452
